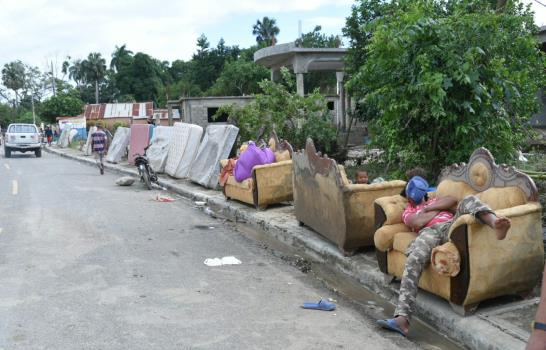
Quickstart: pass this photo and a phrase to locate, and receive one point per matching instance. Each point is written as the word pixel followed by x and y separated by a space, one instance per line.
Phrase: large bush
pixel 444 77
pixel 293 117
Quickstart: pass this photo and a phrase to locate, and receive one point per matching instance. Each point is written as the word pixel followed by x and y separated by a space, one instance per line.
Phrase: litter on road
pixel 159 198
pixel 323 305
pixel 226 260
pixel 125 181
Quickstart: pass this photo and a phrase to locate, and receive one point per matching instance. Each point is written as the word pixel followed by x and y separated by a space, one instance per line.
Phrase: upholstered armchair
pixel 473 266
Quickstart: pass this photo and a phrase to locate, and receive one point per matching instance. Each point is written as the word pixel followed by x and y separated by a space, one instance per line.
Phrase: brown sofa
pixel 473 266
pixel 269 184
pixel 325 201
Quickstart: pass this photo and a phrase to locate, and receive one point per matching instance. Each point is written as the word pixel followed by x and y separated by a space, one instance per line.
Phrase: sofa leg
pixel 261 207
pixel 300 224
pixel 464 310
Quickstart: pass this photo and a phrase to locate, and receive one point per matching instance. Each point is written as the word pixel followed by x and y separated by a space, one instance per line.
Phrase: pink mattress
pixel 140 138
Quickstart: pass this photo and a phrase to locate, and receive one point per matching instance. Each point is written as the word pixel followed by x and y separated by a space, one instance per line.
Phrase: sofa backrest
pixel 500 186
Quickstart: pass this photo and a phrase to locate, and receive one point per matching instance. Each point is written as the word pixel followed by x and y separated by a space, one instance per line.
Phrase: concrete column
pixel 299 84
pixel 170 114
pixel 341 112
pixel 275 74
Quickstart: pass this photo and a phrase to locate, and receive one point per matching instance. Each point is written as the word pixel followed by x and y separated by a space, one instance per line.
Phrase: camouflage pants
pixel 420 250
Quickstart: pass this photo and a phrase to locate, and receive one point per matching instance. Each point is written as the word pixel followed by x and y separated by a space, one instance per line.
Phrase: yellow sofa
pixel 473 266
pixel 269 184
pixel 327 202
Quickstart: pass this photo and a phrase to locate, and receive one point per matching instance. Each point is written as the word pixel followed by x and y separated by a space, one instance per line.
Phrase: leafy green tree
pixel 239 78
pixel 266 31
pixel 317 39
pixel 293 117
pixel 94 70
pixel 445 77
pixel 120 57
pixel 13 77
pixel 60 106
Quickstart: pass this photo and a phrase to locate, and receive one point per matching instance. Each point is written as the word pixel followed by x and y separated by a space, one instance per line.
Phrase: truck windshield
pixel 22 129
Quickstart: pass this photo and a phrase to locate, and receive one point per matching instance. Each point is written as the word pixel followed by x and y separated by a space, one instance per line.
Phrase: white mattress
pixel 184 145
pixel 216 145
pixel 119 145
pixel 63 139
pixel 159 148
pixel 87 150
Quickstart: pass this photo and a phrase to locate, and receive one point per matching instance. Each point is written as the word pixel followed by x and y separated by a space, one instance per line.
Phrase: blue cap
pixel 416 189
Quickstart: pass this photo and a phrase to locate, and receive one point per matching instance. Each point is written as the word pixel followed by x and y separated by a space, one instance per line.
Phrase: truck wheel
pixel 38 153
pixel 7 152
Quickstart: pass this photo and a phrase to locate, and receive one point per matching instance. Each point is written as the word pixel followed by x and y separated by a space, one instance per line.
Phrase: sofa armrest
pixel 265 167
pixel 513 212
pixel 393 207
pixel 491 267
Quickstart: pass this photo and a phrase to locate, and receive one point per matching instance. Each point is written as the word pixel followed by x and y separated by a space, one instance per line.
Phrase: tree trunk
pixel 501 4
pixel 96 91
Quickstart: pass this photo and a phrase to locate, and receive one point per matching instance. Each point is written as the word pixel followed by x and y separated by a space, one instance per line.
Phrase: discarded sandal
pixel 323 305
pixel 391 325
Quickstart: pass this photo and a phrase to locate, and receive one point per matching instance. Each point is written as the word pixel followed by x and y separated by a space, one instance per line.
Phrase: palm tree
pixel 94 68
pixel 13 77
pixel 118 56
pixel 76 73
pixel 266 31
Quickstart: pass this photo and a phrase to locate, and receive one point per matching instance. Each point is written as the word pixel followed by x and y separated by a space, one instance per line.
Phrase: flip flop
pixel 323 305
pixel 391 325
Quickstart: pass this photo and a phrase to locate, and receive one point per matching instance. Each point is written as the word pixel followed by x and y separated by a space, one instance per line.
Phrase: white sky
pixel 40 31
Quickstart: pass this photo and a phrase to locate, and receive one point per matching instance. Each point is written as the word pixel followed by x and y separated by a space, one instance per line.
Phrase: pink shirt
pixel 411 210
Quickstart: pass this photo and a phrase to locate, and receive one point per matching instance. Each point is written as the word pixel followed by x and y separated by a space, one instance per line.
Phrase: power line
pixel 540 3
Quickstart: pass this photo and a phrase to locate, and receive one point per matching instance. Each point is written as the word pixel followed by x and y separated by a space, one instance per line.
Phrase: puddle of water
pixel 370 303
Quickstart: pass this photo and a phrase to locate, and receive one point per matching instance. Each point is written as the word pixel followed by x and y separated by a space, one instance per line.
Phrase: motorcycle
pixel 147 174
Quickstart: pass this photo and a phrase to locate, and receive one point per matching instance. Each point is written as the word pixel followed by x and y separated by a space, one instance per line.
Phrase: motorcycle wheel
pixel 145 177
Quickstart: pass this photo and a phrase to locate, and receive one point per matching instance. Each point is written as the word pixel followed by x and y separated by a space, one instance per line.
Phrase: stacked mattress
pixel 216 145
pixel 63 139
pixel 87 150
pixel 119 144
pixel 159 148
pixel 140 139
pixel 183 148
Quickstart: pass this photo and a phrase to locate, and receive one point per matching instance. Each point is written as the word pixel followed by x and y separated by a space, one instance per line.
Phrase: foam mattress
pixel 119 144
pixel 216 145
pixel 184 145
pixel 159 148
pixel 140 138
pixel 63 139
pixel 87 150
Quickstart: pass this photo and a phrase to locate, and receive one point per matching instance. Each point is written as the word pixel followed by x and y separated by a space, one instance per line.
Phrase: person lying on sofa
pixel 432 218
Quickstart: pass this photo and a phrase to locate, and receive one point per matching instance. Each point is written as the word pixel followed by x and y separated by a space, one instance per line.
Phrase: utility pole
pixel 53 80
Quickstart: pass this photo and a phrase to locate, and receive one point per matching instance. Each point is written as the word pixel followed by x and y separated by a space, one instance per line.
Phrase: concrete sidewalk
pixel 497 324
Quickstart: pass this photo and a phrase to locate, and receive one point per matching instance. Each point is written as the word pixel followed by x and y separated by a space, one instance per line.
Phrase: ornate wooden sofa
pixel 269 184
pixel 325 201
pixel 473 266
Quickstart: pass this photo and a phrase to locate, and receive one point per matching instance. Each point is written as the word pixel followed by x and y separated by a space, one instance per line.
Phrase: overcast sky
pixel 39 31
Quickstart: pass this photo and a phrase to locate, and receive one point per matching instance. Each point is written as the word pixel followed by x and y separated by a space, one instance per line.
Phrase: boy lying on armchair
pixel 431 218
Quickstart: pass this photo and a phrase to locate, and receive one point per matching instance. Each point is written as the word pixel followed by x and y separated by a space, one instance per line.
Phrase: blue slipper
pixel 321 305
pixel 391 325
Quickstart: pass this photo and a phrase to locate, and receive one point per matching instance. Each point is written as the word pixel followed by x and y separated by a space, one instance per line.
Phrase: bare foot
pixel 501 226
pixel 403 323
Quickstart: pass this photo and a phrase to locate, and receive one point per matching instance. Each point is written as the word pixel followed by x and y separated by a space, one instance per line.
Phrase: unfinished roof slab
pixel 301 60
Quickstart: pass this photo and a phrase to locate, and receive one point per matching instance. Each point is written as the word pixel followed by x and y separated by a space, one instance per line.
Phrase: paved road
pixel 85 264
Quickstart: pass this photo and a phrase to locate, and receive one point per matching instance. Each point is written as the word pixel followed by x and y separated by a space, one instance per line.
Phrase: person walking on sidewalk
pixel 432 218
pixel 49 135
pixel 98 146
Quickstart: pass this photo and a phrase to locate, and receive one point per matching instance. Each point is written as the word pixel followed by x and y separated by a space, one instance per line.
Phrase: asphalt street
pixel 86 264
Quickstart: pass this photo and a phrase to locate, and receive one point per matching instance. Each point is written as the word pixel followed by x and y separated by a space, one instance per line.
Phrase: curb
pixel 474 332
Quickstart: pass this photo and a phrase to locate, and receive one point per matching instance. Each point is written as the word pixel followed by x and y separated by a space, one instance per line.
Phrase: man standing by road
pixel 98 146
pixel 49 135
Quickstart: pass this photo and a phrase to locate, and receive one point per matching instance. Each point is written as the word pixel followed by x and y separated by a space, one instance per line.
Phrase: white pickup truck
pixel 22 138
